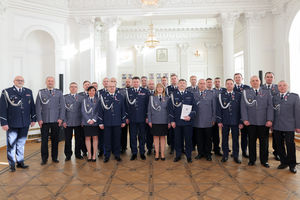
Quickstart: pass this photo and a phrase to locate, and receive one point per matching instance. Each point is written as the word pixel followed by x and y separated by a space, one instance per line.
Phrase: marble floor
pixel 150 179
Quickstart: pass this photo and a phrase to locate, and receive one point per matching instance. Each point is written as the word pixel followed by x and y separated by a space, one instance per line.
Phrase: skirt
pixel 91 130
pixel 159 129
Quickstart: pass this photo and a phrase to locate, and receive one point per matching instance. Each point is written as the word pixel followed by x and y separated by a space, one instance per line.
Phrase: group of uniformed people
pixel 191 118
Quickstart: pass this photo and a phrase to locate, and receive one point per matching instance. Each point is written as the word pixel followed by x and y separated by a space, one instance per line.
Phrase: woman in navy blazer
pixel 90 122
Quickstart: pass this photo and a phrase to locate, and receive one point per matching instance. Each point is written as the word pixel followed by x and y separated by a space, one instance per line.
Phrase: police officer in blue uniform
pixel 257 114
pixel 204 120
pixel 239 87
pixel 86 84
pixel 149 136
pixel 17 112
pixel 229 118
pixel 112 117
pixel 273 88
pixel 169 90
pixel 72 122
pixel 124 134
pixel 182 124
pixel 193 88
pixel 286 121
pixel 102 91
pixel 137 99
pixel 50 111
pixel 215 129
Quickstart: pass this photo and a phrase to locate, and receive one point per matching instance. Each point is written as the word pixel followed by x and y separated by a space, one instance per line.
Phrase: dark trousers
pixel 194 138
pixel 244 139
pixel 68 141
pixel 52 130
pixel 15 140
pixel 286 147
pixel 262 133
pixel 82 141
pixel 124 137
pixel 275 144
pixel 171 138
pixel 235 140
pixel 137 131
pixel 204 142
pixel 183 133
pixel 216 138
pixel 112 140
pixel 149 138
pixel 101 141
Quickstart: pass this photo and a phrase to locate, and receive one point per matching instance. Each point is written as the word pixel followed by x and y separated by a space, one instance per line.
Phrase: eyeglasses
pixel 19 80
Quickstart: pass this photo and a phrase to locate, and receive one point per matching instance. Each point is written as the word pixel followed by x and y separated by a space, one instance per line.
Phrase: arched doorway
pixel 39 59
pixel 294 45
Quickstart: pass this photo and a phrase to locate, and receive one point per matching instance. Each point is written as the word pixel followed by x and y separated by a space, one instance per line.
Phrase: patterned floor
pixel 150 179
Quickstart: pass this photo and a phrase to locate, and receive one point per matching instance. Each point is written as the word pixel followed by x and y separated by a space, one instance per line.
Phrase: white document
pixel 186 110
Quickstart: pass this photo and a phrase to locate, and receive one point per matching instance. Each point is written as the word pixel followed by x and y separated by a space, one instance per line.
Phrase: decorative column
pixel 228 21
pixel 139 60
pixel 86 48
pixel 111 25
pixel 253 44
pixel 183 60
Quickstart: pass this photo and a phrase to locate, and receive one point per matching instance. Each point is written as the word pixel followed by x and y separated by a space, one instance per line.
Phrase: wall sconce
pixel 197 53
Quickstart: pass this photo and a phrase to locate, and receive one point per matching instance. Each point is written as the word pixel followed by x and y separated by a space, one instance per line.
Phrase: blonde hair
pixel 162 86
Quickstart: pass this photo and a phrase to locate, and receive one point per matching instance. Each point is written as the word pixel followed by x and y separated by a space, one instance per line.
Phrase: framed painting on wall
pixel 162 55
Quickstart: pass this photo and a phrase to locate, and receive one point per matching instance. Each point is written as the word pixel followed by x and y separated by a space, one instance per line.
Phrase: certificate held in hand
pixel 186 110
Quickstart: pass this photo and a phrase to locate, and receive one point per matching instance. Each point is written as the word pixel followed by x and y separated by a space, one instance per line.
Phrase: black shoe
pixel 67 159
pixel 143 157
pixel 266 165
pixel 163 159
pixel 276 156
pixel 79 157
pixel 100 154
pixel 245 155
pixel 237 160
pixel 251 163
pixel 106 159
pixel 156 159
pixel 118 159
pixel 89 160
pixel 176 159
pixel 55 161
pixel 189 160
pixel 218 153
pixel 293 170
pixel 44 162
pixel 93 160
pixel 171 152
pixel 224 159
pixel 282 166
pixel 12 168
pixel 22 165
pixel 149 152
pixel 133 157
pixel 208 158
pixel 198 157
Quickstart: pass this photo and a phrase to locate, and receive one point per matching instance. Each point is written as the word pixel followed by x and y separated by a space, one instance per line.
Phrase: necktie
pixel 230 94
pixel 91 100
pixel 281 96
pixel 50 91
pixel 20 90
pixel 269 86
pixel 256 92
pixel 159 97
pixel 238 87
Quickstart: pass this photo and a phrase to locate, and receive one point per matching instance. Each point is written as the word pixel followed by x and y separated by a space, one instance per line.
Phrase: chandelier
pixel 150 2
pixel 151 41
